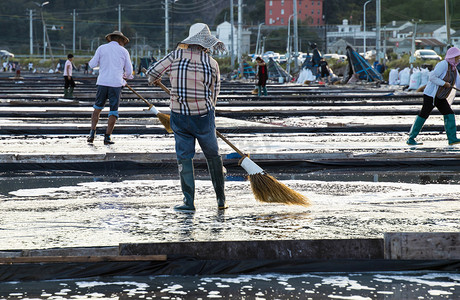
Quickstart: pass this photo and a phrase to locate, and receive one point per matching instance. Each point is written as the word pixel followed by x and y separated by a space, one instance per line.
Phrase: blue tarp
pixel 358 65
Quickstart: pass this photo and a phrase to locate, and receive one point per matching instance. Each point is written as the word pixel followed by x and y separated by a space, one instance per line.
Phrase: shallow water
pixel 354 286
pixel 54 211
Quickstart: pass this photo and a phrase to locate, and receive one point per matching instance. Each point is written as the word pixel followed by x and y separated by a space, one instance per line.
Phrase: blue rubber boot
pixel 108 140
pixel 216 167
pixel 187 182
pixel 259 90
pixel 451 129
pixel 415 130
pixel 90 138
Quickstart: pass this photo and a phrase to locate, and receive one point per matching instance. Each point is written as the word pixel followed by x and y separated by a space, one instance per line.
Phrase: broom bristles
pixel 267 189
pixel 165 120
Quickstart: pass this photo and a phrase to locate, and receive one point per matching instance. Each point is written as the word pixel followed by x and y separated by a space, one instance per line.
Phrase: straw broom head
pixel 267 189
pixel 165 120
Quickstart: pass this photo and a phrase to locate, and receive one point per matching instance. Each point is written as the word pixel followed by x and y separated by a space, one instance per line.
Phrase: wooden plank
pixel 270 249
pixel 422 245
pixel 81 259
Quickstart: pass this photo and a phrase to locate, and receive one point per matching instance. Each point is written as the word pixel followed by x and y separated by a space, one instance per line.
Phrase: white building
pixel 392 30
pixel 352 35
pixel 427 36
pixel 455 39
pixel 224 33
pixel 426 31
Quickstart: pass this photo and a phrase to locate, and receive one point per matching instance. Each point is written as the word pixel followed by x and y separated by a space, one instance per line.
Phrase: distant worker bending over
pixel 114 67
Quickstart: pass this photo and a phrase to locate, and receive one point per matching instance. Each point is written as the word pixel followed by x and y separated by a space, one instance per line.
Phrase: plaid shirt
pixel 195 80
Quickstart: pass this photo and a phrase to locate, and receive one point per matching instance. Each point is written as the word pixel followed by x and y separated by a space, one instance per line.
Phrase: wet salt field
pixel 354 286
pixel 350 161
pixel 64 208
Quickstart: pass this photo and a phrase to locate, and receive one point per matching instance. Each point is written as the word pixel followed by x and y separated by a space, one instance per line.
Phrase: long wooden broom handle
pixel 230 144
pixel 140 96
pixel 164 88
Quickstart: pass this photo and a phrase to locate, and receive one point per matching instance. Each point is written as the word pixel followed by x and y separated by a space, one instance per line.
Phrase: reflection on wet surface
pixel 52 211
pixel 356 286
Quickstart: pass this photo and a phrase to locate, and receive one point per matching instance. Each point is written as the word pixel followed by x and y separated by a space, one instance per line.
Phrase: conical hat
pixel 108 37
pixel 199 34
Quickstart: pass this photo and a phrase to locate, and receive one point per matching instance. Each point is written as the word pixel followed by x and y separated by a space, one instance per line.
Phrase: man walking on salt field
pixel 114 67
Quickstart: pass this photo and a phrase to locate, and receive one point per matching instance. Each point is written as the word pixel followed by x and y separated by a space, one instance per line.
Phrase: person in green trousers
pixel 440 93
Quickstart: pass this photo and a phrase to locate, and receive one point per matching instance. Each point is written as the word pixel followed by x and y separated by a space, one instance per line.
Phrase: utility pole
pixel 364 26
pixel 296 36
pixel 166 26
pixel 31 36
pixel 136 49
pixel 263 44
pixel 446 7
pixel 240 35
pixel 414 34
pixel 377 30
pixel 232 34
pixel 258 39
pixel 384 43
pixel 119 16
pixel 288 46
pixel 73 38
pixel 325 35
pixel 46 38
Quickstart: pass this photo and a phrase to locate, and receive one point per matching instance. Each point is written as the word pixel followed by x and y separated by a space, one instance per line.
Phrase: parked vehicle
pixel 340 57
pixel 270 54
pixel 282 59
pixel 426 54
pixel 5 54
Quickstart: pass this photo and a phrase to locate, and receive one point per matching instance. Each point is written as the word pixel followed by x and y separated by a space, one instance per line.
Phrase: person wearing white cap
pixel 195 84
pixel 114 67
pixel 440 92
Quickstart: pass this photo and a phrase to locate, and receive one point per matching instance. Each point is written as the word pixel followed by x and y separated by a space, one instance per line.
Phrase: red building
pixel 277 12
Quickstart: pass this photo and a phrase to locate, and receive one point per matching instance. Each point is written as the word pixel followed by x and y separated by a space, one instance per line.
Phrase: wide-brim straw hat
pixel 108 37
pixel 199 34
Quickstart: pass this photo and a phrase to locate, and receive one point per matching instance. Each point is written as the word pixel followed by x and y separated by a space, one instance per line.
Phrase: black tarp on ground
pixel 312 62
pixel 192 266
pixel 358 65
pixel 276 71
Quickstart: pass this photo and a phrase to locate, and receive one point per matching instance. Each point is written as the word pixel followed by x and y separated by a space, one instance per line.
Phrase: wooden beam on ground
pixel 422 245
pixel 80 259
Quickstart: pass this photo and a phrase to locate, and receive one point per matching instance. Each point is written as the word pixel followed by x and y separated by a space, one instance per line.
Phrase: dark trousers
pixel 68 82
pixel 442 105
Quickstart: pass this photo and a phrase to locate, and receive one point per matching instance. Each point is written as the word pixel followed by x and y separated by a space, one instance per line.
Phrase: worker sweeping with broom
pixel 114 67
pixel 195 81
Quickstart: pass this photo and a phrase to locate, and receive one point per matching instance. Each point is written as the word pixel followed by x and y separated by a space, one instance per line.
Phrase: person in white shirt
pixel 68 80
pixel 440 92
pixel 114 67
